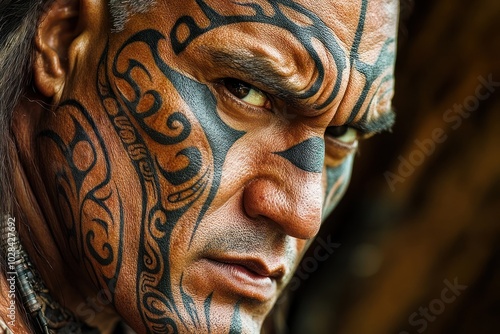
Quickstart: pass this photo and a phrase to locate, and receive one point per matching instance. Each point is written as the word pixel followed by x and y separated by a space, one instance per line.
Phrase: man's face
pixel 192 156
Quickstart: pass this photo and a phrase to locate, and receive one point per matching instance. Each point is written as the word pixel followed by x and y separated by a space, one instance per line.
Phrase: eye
pixel 344 133
pixel 247 93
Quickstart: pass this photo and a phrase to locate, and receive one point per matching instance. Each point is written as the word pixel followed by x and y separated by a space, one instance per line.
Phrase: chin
pixel 248 318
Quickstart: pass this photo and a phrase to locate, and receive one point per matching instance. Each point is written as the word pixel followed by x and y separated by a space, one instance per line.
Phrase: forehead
pixel 375 19
pixel 329 52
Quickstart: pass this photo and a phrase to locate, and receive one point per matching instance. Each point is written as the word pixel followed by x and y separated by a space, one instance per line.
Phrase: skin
pixel 178 169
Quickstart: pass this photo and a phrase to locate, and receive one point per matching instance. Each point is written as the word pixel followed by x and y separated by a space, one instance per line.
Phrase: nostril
pixel 296 213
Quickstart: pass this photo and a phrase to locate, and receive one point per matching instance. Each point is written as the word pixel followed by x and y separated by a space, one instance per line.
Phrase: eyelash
pixel 220 86
pixel 341 148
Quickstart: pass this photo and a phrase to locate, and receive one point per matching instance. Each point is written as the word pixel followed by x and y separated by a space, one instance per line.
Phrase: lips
pixel 250 278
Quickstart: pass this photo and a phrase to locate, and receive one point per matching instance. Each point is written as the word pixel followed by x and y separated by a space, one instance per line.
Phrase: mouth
pixel 249 278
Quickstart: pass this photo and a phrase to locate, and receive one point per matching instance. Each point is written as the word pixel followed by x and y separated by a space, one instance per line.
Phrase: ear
pixel 63 32
pixel 54 35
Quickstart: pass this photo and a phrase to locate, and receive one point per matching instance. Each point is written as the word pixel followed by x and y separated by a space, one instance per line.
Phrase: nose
pixel 293 202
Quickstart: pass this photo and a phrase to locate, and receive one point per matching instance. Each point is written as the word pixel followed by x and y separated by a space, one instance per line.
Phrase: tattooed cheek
pixel 87 202
pixel 337 180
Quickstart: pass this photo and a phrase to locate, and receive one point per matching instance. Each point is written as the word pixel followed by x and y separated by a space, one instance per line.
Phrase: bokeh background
pixel 409 232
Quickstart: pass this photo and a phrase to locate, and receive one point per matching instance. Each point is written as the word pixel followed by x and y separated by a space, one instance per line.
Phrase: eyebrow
pixel 259 71
pixel 384 122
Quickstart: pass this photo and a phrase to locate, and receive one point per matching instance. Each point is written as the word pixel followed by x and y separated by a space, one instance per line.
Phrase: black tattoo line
pixel 306 35
pixel 107 253
pixel 371 72
pixel 308 155
pixel 236 327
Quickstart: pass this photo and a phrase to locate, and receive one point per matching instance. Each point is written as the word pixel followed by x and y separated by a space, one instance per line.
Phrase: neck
pixel 33 213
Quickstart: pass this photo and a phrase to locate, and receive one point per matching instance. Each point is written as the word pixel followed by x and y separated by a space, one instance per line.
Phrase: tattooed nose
pixel 307 155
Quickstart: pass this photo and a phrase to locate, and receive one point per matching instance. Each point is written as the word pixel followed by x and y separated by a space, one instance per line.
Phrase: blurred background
pixel 417 236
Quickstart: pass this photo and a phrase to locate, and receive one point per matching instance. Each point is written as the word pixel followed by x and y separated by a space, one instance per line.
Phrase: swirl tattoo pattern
pixel 161 215
pixel 94 228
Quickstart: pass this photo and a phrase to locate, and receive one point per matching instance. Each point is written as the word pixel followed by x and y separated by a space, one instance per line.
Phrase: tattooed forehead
pixel 332 54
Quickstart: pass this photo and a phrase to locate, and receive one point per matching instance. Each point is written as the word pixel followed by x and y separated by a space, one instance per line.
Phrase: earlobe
pixel 55 33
